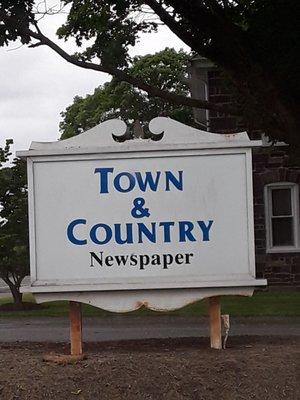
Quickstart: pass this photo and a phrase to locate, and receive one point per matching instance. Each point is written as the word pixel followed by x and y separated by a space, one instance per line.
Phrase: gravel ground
pixel 263 368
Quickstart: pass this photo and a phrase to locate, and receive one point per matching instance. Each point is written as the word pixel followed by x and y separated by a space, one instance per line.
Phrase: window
pixel 282 217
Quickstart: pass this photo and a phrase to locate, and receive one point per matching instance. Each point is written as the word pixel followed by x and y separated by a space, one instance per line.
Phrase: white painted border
pixel 138 147
pixel 105 285
pixel 151 285
pixel 250 212
pixel 31 219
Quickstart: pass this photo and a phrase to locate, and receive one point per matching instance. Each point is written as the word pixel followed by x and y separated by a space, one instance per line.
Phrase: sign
pixel 175 213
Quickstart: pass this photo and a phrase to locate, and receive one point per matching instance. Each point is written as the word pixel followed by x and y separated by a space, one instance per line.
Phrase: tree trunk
pixel 16 294
pixel 14 287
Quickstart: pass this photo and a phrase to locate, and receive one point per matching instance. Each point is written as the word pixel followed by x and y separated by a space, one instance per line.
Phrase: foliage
pixel 112 26
pixel 16 17
pixel 14 252
pixel 165 69
pixel 255 42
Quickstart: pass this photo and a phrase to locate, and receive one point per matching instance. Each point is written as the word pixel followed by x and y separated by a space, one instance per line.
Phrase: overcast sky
pixel 37 85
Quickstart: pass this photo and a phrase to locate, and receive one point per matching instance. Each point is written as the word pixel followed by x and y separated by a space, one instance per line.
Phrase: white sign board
pixel 140 215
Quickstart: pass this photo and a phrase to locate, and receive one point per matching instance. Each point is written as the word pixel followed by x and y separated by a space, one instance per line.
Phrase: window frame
pixel 294 190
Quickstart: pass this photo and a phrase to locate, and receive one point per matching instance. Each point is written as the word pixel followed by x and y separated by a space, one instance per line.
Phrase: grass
pixel 273 303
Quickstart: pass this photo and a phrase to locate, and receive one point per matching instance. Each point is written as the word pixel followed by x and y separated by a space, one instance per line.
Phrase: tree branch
pixel 215 24
pixel 6 279
pixel 31 46
pixel 171 23
pixel 123 76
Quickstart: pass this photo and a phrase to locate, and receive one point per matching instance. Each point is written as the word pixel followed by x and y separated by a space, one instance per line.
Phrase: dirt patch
pixel 251 368
pixel 25 306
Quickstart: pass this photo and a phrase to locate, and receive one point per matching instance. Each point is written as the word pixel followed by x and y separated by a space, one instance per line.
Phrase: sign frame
pixel 177 140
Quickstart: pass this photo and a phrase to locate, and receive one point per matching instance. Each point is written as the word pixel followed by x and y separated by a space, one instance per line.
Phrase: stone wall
pixel 270 166
pixel 219 94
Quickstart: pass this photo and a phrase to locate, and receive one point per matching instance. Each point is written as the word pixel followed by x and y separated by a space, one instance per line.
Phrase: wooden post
pixel 215 327
pixel 75 328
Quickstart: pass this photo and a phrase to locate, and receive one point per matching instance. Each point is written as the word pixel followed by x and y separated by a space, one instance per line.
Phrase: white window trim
pixel 268 217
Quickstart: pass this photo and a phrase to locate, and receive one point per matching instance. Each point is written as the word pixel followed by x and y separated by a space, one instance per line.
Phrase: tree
pixel 14 248
pixel 166 69
pixel 254 41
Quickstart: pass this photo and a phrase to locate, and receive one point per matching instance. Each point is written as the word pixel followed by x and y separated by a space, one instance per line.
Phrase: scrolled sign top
pixel 101 138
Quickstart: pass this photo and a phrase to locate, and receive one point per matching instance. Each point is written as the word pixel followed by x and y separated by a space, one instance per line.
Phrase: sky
pixel 37 85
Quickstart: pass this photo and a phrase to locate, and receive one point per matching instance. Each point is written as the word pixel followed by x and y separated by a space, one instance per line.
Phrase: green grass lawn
pixel 279 303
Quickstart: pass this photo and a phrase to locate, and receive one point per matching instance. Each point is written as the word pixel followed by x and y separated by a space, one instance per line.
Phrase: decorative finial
pixel 138 131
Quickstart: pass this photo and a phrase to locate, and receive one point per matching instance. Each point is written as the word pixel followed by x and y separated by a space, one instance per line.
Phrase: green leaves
pixel 165 70
pixel 14 247
pixel 5 153
pixel 14 16
pixel 110 26
pixel 256 43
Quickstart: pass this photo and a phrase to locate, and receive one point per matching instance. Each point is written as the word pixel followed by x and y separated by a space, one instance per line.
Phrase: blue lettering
pixel 147 180
pixel 131 182
pixel 128 239
pixel 107 230
pixel 185 231
pixel 70 232
pixel 205 229
pixel 167 228
pixel 103 178
pixel 142 229
pixel 178 183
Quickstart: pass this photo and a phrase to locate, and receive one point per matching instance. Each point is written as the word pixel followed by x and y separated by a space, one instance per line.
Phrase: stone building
pixel 275 183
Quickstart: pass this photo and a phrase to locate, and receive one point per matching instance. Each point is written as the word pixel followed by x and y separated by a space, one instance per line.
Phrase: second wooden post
pixel 214 309
pixel 75 328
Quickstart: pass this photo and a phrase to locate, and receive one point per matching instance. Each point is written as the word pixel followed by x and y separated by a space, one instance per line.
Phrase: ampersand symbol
pixel 138 210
